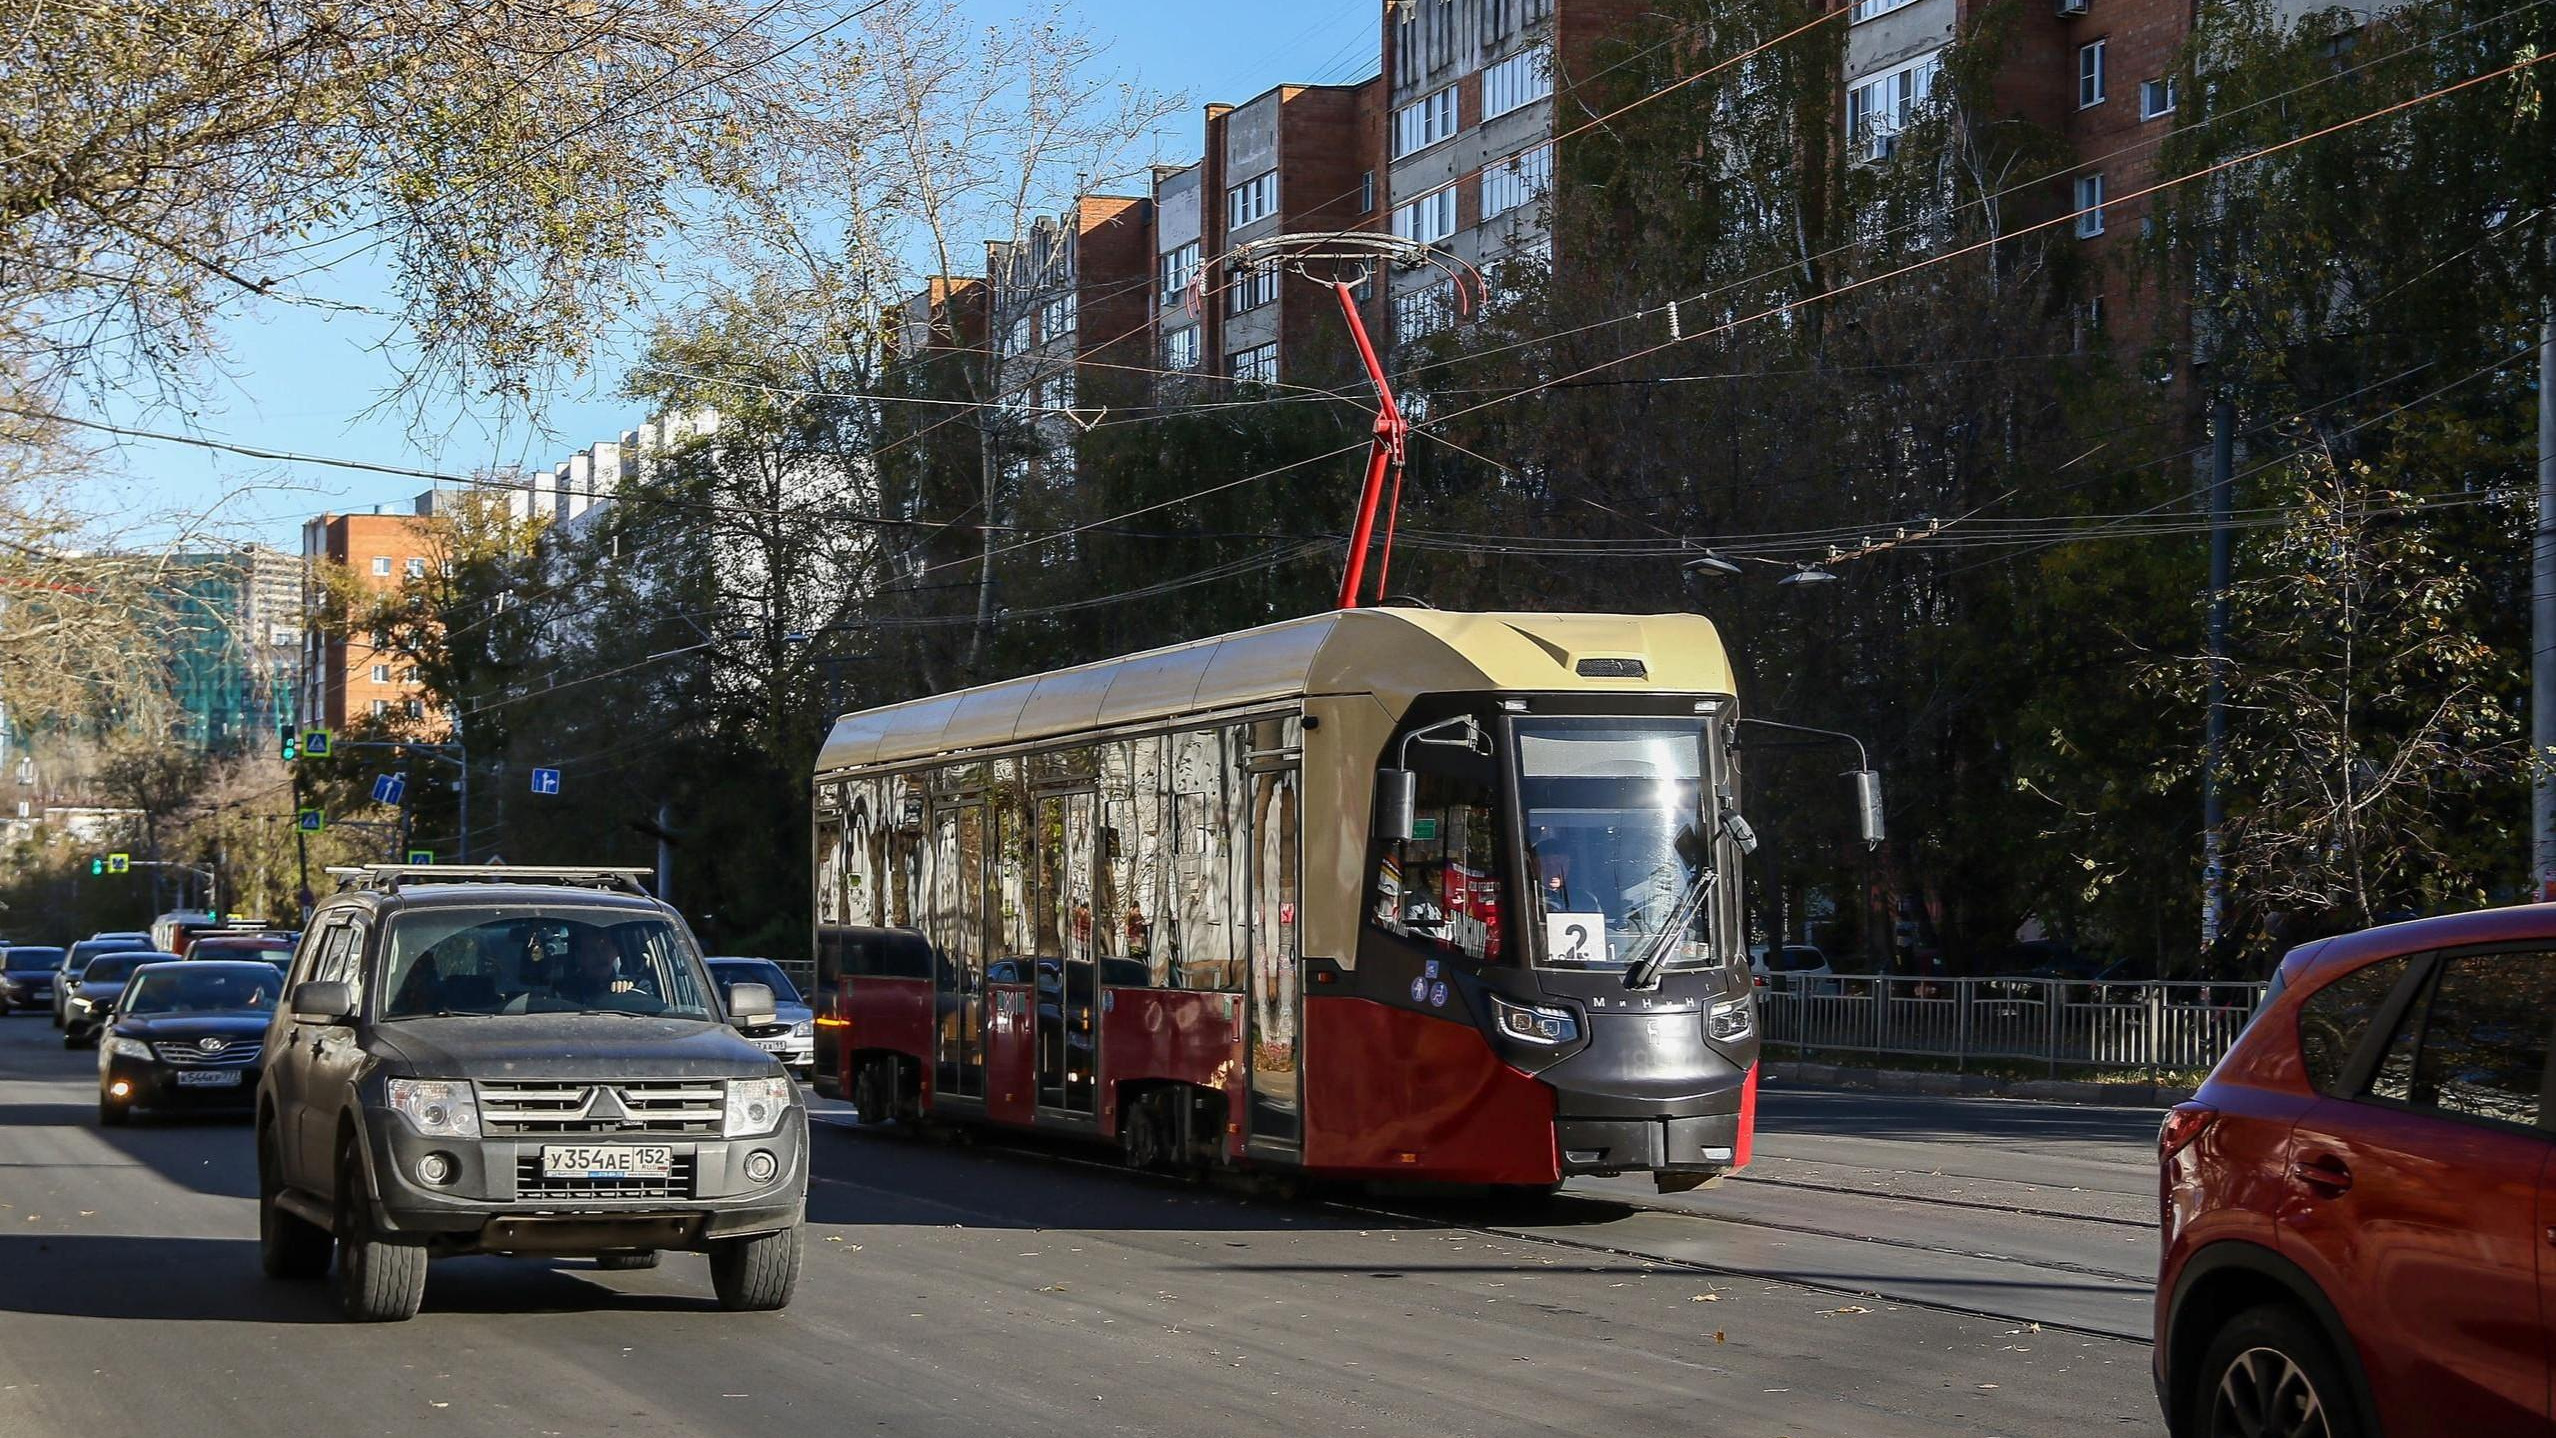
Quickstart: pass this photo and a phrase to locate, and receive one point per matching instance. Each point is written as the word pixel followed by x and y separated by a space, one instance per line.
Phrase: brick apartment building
pixel 1070 316
pixel 1296 159
pixel 346 677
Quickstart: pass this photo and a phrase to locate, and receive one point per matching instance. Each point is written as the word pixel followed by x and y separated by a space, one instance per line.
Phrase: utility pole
pixel 2542 629
pixel 2214 807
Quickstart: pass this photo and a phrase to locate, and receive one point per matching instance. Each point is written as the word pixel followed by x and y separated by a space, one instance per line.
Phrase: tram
pixel 1379 893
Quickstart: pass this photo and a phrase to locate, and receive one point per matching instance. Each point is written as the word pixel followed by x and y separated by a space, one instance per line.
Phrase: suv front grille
pixel 546 1106
pixel 529 1182
pixel 234 1053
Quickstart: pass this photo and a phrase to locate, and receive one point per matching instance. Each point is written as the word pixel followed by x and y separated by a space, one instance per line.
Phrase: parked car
pixel 275 949
pixel 523 1061
pixel 66 979
pixel 1802 968
pixel 791 1036
pixel 94 992
pixel 186 1036
pixel 2354 1226
pixel 26 977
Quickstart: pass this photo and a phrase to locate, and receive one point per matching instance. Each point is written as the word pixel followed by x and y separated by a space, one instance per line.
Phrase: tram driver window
pixel 1441 887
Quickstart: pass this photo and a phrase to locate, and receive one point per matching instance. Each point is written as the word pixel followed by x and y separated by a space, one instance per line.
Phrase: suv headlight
pixel 437 1108
pixel 803 1029
pixel 1731 1019
pixel 755 1107
pixel 125 1048
pixel 1535 1023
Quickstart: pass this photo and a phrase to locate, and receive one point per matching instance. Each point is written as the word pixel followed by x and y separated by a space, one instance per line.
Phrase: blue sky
pixel 301 380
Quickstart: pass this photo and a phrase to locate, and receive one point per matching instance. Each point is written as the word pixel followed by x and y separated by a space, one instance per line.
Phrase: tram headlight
pixel 1732 1019
pixel 1535 1023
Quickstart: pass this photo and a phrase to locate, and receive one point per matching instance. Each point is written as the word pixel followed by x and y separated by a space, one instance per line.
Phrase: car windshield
pixel 28 960
pixel 273 951
pixel 538 960
pixel 728 973
pixel 114 968
pixel 204 989
pixel 1604 802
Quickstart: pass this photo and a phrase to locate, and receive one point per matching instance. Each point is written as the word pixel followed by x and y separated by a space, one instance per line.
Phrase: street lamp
pixel 1713 565
pixel 1808 574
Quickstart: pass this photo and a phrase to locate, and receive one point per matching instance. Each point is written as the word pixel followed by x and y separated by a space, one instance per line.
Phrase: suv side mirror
pixel 1397 802
pixel 323 1001
pixel 751 1004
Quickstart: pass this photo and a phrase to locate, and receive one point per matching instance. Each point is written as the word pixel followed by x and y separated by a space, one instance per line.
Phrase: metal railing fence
pixel 2055 1022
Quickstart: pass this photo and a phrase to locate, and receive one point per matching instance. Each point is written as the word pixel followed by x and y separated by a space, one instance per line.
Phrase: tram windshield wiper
pixel 1644 972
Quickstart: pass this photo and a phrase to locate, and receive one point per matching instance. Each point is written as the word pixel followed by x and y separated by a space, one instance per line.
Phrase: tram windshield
pixel 1603 802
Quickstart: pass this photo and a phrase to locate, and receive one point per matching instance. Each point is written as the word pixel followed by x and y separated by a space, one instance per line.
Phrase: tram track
pixel 1932 1201
pixel 1429 1215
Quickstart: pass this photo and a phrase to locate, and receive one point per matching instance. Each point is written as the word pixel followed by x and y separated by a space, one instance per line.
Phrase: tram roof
pixel 1393 654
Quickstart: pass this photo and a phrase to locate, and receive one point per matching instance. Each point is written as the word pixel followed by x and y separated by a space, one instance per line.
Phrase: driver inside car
pixel 593 971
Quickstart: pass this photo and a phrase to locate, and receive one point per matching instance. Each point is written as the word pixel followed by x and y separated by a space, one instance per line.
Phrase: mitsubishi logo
pixel 210 1044
pixel 603 1105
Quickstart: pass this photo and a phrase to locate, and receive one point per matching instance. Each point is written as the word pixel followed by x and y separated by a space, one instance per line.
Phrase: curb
pixel 1941 1085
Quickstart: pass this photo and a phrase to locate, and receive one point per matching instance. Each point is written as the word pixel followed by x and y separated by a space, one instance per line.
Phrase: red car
pixel 2358 1210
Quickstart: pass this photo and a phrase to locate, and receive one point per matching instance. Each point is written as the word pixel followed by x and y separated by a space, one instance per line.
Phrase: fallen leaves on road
pixel 1849 1308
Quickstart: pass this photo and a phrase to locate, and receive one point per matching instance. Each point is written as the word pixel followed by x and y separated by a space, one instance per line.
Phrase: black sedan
pixel 26 977
pixel 187 1037
pixel 94 991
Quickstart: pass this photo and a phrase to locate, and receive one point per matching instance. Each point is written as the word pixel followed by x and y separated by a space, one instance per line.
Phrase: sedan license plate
pixel 208 1078
pixel 647 1160
pixel 772 1046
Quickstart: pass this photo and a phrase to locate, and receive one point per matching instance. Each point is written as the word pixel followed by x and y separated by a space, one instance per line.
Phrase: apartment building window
pixel 381 566
pixel 1423 311
pixel 1179 267
pixel 1880 106
pixel 1018 338
pixel 1253 288
pixel 1056 317
pixel 1251 201
pixel 1520 80
pixel 1180 349
pixel 1424 122
pixel 2089 206
pixel 1428 219
pixel 1867 9
pixel 417 569
pixel 2158 98
pixel 2090 75
pixel 416 708
pixel 381 708
pixel 1257 365
pixel 381 674
pixel 1519 180
pixel 1367 193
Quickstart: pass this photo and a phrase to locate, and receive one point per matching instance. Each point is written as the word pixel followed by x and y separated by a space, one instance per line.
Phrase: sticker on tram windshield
pixel 1438 995
pixel 1424 829
pixel 1575 938
pixel 1419 991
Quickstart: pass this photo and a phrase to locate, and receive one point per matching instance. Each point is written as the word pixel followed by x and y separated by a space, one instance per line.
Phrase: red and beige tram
pixel 1379 893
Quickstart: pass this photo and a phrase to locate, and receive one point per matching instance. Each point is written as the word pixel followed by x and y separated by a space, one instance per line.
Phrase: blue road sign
pixel 545 781
pixel 316 744
pixel 309 821
pixel 389 788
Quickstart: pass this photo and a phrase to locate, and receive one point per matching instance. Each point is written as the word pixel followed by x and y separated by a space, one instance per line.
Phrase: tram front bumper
pixel 1705 1143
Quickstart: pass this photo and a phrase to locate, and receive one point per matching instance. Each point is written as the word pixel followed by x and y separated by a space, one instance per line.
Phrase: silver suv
pixel 519 1060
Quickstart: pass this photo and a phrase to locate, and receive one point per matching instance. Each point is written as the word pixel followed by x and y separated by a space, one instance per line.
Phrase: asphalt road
pixel 1891 1267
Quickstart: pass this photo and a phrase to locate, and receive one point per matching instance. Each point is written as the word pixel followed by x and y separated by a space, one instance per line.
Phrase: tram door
pixel 1277 1104
pixel 961 859
pixel 1068 983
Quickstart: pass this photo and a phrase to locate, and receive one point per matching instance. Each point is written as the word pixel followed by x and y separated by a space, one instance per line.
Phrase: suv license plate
pixel 650 1160
pixel 208 1078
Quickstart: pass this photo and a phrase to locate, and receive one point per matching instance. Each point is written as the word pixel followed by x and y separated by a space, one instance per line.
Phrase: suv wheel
pixel 755 1275
pixel 2269 1375
pixel 288 1245
pixel 624 1262
pixel 378 1281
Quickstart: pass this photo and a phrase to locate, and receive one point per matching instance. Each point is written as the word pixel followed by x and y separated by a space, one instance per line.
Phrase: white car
pixel 791 1036
pixel 1800 968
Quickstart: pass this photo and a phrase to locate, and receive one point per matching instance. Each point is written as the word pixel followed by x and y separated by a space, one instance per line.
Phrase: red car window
pixel 2478 1047
pixel 2335 1019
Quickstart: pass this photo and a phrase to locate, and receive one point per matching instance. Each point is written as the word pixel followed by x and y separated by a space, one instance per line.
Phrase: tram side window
pixel 900 845
pixel 829 855
pixel 1131 841
pixel 1441 887
pixel 1009 903
pixel 859 882
pixel 1207 952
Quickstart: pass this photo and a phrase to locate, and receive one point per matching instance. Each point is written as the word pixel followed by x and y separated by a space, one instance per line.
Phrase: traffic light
pixel 97 866
pixel 288 738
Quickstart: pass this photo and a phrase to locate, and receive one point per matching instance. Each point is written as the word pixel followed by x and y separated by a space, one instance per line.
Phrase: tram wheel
pixel 1141 1134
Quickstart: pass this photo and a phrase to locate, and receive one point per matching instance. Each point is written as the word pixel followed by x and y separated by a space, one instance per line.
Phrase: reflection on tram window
pixel 1605 801
pixel 1442 885
pixel 1202 818
pixel 1132 858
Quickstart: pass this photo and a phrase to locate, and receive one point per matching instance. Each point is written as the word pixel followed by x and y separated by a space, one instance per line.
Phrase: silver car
pixel 791 1036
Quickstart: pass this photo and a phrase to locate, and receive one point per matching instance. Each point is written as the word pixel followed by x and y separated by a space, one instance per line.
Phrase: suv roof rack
pixel 387 878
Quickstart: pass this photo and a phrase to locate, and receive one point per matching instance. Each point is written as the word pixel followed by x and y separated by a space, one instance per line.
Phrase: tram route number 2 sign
pixel 1575 938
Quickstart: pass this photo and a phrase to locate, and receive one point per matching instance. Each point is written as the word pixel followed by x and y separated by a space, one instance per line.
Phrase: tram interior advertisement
pixel 1380 894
